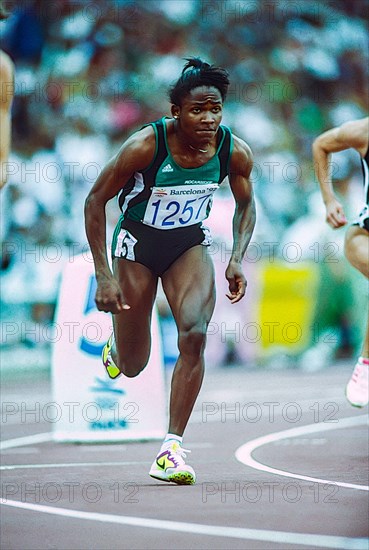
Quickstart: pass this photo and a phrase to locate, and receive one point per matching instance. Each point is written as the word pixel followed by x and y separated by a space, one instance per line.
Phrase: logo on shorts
pixel 125 245
pixel 167 168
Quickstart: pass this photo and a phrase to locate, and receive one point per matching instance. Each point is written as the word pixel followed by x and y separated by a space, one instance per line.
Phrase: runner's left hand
pixel 237 282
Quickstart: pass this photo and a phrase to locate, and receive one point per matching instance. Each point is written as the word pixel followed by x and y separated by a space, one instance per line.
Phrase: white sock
pixel 169 437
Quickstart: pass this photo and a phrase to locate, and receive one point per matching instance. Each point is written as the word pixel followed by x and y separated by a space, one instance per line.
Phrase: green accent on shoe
pixel 111 368
pixel 113 371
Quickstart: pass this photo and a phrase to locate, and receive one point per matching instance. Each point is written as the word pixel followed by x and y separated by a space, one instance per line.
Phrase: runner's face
pixel 200 114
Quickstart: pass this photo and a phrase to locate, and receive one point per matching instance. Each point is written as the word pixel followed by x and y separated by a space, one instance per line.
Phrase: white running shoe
pixel 357 390
pixel 169 465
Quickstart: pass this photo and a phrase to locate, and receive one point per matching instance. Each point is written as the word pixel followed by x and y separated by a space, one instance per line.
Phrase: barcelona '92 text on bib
pixel 170 207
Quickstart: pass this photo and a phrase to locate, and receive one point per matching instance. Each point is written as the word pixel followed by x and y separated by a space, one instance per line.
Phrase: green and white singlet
pixel 164 205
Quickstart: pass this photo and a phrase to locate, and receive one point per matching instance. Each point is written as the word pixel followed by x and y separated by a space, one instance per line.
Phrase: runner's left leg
pixel 190 290
pixel 189 287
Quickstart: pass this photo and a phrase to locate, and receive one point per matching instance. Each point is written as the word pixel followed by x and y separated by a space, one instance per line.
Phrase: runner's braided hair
pixel 198 73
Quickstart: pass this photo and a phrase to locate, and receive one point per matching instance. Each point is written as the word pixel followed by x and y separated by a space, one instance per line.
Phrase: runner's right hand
pixel 109 296
pixel 335 215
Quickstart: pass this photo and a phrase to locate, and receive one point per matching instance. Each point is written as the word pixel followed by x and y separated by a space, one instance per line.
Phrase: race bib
pixel 179 206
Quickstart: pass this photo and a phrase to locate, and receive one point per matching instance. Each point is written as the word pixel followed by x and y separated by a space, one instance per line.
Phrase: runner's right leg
pixel 131 350
pixel 357 252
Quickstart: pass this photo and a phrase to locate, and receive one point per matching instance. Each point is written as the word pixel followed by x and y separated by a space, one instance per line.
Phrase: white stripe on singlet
pixel 366 180
pixel 138 187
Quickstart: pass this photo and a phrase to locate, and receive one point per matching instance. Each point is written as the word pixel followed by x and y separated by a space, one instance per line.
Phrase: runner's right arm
pixel 135 155
pixel 337 139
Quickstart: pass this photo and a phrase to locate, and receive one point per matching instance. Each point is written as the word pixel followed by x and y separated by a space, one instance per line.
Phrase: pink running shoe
pixel 357 390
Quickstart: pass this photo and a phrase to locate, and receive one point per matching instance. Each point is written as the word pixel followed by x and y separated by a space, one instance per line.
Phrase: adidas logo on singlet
pixel 167 168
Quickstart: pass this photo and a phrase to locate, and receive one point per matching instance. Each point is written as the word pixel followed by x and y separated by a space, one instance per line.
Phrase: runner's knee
pixel 191 341
pixel 131 371
pixel 132 367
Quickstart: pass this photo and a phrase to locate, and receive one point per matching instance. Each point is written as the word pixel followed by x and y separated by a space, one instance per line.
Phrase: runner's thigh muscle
pixel 132 326
pixel 190 289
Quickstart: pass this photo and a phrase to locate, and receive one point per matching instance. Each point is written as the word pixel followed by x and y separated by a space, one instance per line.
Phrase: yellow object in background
pixel 288 297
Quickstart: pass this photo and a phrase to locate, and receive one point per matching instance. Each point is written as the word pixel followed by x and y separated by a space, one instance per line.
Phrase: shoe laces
pixel 182 452
pixel 177 449
pixel 357 372
pixel 361 373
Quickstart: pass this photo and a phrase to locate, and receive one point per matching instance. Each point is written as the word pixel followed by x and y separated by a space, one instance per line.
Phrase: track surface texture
pixel 302 484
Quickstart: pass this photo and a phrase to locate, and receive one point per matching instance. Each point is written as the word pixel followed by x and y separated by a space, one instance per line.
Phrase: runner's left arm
pixel 244 217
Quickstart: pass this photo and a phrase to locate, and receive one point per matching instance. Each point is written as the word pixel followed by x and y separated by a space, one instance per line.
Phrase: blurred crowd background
pixel 89 73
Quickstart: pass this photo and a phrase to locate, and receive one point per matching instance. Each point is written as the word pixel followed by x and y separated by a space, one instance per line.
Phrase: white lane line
pixel 282 537
pixel 69 465
pixel 27 440
pixel 48 436
pixel 244 453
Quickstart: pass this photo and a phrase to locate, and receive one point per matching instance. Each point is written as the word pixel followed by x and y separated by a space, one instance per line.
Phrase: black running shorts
pixel 157 249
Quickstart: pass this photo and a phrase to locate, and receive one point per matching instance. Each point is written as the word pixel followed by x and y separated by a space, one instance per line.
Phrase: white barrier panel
pixel 89 406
